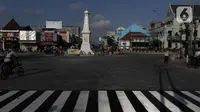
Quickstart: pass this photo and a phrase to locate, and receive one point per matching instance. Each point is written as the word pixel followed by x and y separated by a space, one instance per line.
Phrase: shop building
pixel 10 35
pixel 29 39
pixel 134 37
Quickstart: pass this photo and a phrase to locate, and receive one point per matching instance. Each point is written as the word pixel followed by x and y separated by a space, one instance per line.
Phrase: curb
pixel 146 52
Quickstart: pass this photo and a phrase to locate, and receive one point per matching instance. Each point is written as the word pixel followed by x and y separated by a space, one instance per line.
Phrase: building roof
pixel 196 9
pixel 134 28
pixel 26 28
pixel 11 25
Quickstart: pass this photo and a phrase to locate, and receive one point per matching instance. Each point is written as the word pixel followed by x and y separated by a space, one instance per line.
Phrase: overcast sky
pixel 105 14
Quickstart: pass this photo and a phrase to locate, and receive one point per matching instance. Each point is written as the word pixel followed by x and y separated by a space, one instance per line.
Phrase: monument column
pixel 85 46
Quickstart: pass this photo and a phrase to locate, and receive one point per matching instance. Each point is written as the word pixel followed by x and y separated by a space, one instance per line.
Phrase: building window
pixel 169 33
pixel 176 34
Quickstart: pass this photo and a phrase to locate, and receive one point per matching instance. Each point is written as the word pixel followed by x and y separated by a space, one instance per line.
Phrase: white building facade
pixel 168 31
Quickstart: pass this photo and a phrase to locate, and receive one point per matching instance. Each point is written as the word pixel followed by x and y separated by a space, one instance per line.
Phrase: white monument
pixel 85 46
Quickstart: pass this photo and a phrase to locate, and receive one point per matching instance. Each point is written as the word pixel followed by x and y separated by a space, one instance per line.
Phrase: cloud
pixel 2 8
pixel 76 5
pixel 34 12
pixel 98 18
pixel 99 22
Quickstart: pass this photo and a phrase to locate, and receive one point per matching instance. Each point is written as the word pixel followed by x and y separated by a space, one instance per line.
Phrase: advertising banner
pixel 27 35
pixel 73 51
pixel 64 35
pixel 48 36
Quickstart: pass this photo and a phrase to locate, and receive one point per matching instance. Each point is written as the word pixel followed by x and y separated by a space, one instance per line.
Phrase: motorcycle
pixel 193 62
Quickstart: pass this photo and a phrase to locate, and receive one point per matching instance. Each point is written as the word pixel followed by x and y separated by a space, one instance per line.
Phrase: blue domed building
pixel 134 37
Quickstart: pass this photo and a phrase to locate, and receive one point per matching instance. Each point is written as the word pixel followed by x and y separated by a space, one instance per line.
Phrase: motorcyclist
pixel 1 57
pixel 11 58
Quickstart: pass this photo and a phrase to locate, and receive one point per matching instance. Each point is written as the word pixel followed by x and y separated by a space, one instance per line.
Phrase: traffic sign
pixel 184 14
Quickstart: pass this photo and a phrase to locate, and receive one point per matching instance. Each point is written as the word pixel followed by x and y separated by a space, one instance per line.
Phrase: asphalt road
pixel 122 72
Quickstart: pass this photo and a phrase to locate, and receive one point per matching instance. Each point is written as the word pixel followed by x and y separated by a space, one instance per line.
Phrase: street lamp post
pixel 187 31
pixel 195 34
pixel 182 29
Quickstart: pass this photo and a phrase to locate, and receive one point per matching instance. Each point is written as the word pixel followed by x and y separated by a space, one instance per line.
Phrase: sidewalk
pixel 27 54
pixel 145 52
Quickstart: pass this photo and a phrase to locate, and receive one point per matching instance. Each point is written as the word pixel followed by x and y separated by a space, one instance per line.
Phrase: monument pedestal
pixel 85 49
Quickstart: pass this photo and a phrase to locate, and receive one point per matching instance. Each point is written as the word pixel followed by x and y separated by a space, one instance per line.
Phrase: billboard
pixel 54 24
pixel 65 35
pixel 27 35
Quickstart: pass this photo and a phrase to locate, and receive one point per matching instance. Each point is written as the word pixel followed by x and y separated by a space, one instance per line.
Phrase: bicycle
pixel 7 71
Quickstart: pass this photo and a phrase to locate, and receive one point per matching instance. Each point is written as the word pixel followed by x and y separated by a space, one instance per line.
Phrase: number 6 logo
pixel 184 14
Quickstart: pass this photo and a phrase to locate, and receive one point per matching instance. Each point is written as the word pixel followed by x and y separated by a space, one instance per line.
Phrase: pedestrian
pixel 166 54
pixel 196 57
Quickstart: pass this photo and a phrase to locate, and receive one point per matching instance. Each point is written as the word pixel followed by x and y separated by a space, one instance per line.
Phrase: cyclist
pixel 11 59
pixel 166 54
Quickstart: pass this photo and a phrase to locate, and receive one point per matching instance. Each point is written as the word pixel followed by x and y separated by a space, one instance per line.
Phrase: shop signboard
pixel 10 34
pixel 10 39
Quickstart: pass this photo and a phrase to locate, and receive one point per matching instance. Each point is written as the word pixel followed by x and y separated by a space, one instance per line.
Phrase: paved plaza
pixel 118 83
pixel 118 72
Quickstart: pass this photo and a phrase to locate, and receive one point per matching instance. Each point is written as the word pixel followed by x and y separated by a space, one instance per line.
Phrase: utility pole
pixel 161 25
pixel 182 29
pixel 187 42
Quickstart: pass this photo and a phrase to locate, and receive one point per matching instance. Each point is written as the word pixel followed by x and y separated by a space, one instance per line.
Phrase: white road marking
pixel 124 101
pixel 35 104
pixel 104 105
pixel 191 95
pixel 9 94
pixel 198 92
pixel 59 103
pixel 188 103
pixel 81 103
pixel 17 101
pixel 147 104
pixel 166 102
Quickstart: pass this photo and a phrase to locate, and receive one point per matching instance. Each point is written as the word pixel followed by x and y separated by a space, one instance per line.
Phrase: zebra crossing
pixel 99 101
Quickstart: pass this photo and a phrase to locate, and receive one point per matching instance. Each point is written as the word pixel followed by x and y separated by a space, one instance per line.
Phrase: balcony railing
pixel 173 38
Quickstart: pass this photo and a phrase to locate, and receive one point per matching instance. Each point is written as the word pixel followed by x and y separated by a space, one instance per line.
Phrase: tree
pixel 60 40
pixel 110 41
